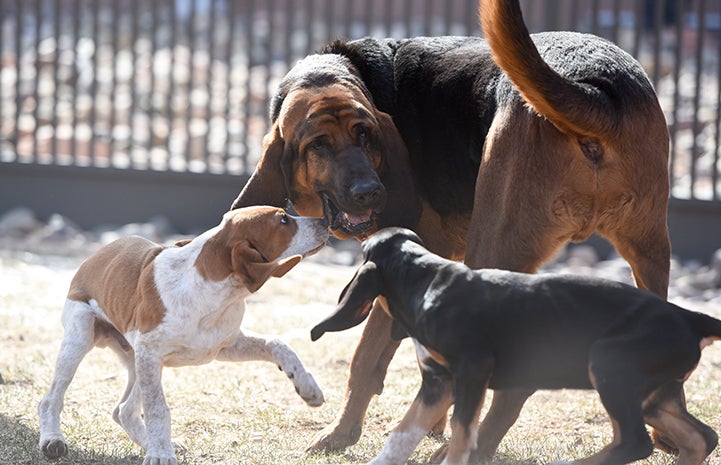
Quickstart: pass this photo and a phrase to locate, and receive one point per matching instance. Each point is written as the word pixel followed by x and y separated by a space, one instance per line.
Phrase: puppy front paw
pixel 153 459
pixel 308 389
pixel 54 447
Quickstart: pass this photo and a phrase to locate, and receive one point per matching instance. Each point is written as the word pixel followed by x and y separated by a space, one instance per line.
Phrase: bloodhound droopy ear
pixel 403 207
pixel 268 184
pixel 252 268
pixel 356 302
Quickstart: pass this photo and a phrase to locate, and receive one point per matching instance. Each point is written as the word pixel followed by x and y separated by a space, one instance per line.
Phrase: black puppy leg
pixel 432 401
pixel 665 411
pixel 504 411
pixel 470 384
pixel 622 386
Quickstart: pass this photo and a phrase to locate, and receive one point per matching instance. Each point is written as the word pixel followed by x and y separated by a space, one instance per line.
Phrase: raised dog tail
pixel 575 108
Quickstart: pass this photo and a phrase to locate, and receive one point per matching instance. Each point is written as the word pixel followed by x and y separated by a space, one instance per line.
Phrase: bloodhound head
pixel 333 154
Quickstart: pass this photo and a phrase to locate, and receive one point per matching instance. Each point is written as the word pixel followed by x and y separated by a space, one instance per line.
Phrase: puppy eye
pixel 284 219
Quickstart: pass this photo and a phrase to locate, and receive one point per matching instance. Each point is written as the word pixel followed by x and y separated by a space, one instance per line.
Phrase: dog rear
pixel 576 106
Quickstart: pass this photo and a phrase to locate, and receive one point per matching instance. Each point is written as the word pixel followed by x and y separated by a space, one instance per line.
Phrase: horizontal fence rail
pixel 184 85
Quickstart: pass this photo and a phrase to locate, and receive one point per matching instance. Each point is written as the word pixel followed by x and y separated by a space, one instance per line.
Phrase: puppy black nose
pixel 366 193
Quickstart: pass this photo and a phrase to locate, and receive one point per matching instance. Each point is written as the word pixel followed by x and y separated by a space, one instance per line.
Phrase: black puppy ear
pixel 355 303
pixel 268 185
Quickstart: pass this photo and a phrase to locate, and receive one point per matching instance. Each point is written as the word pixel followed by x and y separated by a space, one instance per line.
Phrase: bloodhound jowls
pixel 496 152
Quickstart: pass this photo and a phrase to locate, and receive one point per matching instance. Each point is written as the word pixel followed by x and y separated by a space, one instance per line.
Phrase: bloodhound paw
pixel 333 438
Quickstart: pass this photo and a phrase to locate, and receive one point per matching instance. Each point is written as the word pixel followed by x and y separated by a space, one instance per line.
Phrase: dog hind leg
pixel 665 411
pixel 127 412
pixel 78 322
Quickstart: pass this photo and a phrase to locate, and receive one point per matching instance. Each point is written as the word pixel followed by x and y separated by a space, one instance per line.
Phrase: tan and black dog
pixel 479 329
pixel 495 151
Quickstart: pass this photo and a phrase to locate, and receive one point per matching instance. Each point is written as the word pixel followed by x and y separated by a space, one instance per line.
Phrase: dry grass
pixel 248 413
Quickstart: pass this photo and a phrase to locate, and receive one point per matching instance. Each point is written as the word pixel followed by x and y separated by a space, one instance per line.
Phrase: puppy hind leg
pixel 78 321
pixel 666 412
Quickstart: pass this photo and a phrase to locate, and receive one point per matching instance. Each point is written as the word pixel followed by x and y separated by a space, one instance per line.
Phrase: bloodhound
pixel 495 152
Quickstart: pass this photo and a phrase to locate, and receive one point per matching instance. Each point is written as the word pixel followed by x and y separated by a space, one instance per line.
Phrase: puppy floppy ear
pixel 253 269
pixel 355 303
pixel 403 207
pixel 268 185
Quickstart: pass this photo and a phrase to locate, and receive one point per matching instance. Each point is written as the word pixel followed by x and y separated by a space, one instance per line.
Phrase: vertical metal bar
pixel 290 29
pixel 616 21
pixel 133 88
pixel 268 59
pixel 594 16
pixel 209 85
pixel 329 19
pixel 368 18
pixel 94 84
pixel 2 70
pixel 171 81
pixel 18 72
pixel 408 15
pixel 673 129
pixel 637 27
pixel 74 115
pixel 717 152
pixel 56 81
pixel 191 85
pixel 36 87
pixel 695 126
pixel 574 15
pixel 151 92
pixel 250 37
pixel 426 12
pixel 388 13
pixel 471 23
pixel 229 81
pixel 113 158
pixel 448 13
pixel 309 26
pixel 658 24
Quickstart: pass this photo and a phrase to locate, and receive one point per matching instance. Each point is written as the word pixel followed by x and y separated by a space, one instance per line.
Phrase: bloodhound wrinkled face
pixel 334 155
pixel 337 142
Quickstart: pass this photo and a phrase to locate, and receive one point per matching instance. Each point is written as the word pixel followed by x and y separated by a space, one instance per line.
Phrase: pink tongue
pixel 359 218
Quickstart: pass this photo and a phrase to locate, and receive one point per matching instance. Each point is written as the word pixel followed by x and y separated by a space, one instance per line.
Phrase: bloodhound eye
pixel 284 219
pixel 363 133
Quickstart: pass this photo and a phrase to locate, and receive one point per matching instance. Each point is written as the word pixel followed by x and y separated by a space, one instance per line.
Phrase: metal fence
pixel 183 85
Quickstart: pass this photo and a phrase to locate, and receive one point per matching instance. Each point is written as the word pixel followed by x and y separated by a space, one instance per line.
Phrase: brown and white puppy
pixel 158 306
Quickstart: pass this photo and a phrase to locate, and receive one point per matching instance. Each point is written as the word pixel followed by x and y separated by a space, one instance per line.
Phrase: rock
pixel 582 255
pixel 18 222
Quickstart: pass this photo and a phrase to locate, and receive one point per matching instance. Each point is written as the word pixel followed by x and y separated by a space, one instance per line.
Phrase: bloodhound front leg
pixel 367 372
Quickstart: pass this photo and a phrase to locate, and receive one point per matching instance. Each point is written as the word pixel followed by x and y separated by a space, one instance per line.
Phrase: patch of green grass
pixel 248 413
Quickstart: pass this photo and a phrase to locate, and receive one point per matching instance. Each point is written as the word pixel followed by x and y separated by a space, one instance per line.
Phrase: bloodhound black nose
pixel 366 193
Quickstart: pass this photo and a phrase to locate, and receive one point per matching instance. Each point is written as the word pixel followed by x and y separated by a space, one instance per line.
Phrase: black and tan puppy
pixel 479 329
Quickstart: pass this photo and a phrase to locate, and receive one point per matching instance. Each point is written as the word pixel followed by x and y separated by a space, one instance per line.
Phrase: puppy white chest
pixel 203 317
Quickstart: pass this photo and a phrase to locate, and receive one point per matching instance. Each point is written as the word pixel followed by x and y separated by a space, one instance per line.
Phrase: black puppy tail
pixel 706 326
